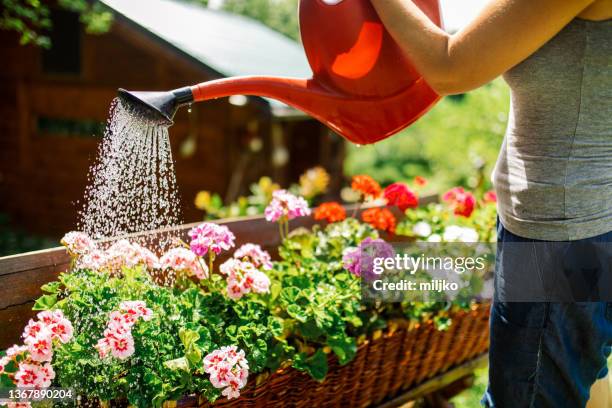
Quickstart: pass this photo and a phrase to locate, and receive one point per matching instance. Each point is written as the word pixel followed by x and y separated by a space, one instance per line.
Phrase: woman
pixel 553 177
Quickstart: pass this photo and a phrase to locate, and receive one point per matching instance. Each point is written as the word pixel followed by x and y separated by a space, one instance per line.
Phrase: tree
pixel 31 18
pixel 280 15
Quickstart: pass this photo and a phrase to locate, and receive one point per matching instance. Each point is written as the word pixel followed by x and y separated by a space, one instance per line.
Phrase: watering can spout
pixel 364 87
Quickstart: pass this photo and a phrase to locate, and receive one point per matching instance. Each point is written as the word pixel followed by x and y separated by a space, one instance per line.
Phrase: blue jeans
pixel 545 354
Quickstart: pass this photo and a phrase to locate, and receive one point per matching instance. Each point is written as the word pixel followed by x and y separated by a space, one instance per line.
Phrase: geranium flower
pixel 399 195
pixel 15 351
pixel 490 197
pixel 254 254
pixel 351 260
pixel 41 346
pixel 183 260
pixel 462 202
pixel 62 330
pixel 243 277
pixel 287 206
pixel 228 369
pixel 380 218
pixel 420 181
pixel 121 347
pixel 455 233
pixel 137 309
pixel 118 340
pixel 28 375
pixel 366 185
pixel 78 243
pixel 422 229
pixel 359 261
pixel 211 237
pixel 93 260
pixel 331 212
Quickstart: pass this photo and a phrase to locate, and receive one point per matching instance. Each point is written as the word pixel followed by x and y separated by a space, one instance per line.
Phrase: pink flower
pixel 46 374
pixel 93 260
pixel 146 257
pixel 183 260
pixel 32 329
pixel 4 361
pixel 254 254
pixel 209 236
pixel 28 375
pixel 136 308
pixel 121 347
pixel 15 351
pixel 286 205
pixel 243 277
pixel 103 347
pixel 118 340
pixel 78 243
pixel 62 330
pixel 351 260
pixel 490 197
pixel 228 369
pixel 359 261
pixel 18 405
pixel 41 346
pixel 34 375
pixel 49 317
pixel 462 202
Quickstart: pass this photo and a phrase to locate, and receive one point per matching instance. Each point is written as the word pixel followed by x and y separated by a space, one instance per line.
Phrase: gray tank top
pixel 553 177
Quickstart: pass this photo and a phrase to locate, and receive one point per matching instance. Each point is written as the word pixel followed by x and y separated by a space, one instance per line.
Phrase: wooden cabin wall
pixel 43 176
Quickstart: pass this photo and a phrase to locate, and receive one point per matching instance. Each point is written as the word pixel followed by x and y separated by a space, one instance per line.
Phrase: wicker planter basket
pixel 383 368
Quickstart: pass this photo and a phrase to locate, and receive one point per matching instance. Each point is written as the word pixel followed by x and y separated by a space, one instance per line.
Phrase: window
pixel 64 56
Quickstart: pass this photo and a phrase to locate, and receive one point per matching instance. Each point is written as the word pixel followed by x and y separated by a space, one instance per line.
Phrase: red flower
pixel 490 197
pixel 331 212
pixel 380 218
pixel 420 181
pixel 366 185
pixel 399 194
pixel 462 202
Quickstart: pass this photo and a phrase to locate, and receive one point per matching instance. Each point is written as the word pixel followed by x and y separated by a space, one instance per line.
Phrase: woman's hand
pixel 502 35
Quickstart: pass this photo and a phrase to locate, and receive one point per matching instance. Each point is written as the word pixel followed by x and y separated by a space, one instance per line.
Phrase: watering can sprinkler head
pixel 157 106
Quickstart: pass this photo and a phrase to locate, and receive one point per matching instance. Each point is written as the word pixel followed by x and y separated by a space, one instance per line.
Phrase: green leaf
pixel 275 325
pixel 178 364
pixel 297 313
pixel 51 287
pixel 344 347
pixel 45 302
pixel 315 365
pixel 290 294
pixel 192 351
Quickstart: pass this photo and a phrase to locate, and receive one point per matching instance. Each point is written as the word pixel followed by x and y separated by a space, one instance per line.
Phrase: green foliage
pixel 312 311
pixel 447 145
pixel 280 15
pixel 31 18
pixel 168 361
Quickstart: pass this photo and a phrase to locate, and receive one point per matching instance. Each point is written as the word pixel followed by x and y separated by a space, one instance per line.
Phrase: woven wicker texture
pixel 382 369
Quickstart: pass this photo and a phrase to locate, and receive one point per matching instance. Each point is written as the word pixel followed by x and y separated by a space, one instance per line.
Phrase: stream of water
pixel 132 185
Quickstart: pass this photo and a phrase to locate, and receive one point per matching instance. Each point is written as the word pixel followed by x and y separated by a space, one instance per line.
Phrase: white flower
pixel 434 238
pixel 455 233
pixel 422 229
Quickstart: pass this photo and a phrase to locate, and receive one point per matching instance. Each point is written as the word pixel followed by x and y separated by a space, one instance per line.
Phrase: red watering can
pixel 363 86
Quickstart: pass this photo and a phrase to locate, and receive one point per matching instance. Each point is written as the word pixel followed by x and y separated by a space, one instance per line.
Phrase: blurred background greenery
pixel 456 143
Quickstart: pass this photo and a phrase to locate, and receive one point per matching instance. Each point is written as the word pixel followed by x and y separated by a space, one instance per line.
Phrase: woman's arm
pixel 504 33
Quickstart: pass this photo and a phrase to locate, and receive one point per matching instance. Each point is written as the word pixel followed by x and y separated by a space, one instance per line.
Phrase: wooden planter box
pixel 400 365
